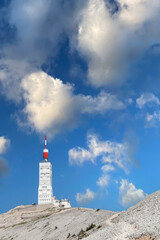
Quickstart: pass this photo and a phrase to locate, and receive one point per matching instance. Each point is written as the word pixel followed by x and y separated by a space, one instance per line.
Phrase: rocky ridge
pixel 140 222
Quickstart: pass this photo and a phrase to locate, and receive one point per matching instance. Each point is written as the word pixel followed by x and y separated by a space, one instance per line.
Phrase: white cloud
pixel 35 31
pixel 152 101
pixel 153 117
pixel 4 144
pixel 51 106
pixel 100 104
pixel 49 103
pixel 129 194
pixel 107 168
pixel 84 198
pixel 147 99
pixel 109 152
pixel 110 42
pixel 153 120
pixel 103 181
pixel 79 156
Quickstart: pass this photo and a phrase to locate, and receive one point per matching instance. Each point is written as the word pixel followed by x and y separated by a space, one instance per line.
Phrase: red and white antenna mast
pixel 45 151
pixel 45 142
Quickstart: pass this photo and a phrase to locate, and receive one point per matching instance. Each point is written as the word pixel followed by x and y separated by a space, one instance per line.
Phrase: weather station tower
pixel 45 192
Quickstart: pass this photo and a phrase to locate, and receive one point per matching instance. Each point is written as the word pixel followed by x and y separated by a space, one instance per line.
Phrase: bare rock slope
pixel 140 222
pixel 45 222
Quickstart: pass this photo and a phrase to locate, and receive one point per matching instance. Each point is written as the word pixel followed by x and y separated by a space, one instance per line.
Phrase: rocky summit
pixel 45 222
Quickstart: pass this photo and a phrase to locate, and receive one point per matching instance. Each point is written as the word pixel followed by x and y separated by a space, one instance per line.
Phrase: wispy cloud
pixel 147 99
pixel 103 181
pixel 151 105
pixel 111 153
pixel 107 168
pixel 153 119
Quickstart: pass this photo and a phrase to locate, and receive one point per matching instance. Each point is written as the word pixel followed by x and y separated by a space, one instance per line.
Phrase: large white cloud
pixel 109 42
pixel 49 103
pixel 51 106
pixel 4 144
pixel 84 198
pixel 35 32
pixel 129 194
pixel 112 42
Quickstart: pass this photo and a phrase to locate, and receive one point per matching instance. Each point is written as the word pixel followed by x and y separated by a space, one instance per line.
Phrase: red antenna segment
pixel 45 151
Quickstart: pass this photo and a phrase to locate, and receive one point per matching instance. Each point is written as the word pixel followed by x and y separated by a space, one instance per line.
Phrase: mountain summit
pixel 45 222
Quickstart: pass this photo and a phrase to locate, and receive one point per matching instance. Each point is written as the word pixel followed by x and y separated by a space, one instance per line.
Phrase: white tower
pixel 45 192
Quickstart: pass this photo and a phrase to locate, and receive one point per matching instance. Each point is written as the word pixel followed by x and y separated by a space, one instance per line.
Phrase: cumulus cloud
pixel 103 181
pixel 111 39
pixel 129 194
pixel 109 152
pixel 147 99
pixel 35 31
pixel 51 106
pixel 108 36
pixel 85 198
pixel 4 144
pixel 49 103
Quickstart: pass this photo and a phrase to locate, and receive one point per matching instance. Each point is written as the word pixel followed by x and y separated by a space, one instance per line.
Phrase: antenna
pixel 45 151
pixel 45 142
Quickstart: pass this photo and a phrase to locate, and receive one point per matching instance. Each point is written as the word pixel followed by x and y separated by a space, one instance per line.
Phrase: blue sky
pixel 86 74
